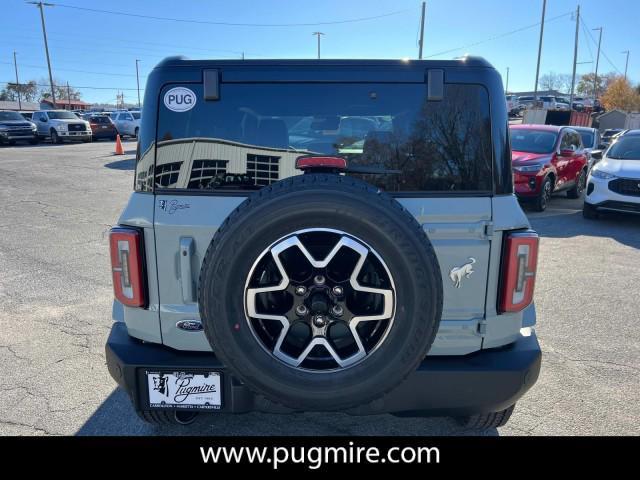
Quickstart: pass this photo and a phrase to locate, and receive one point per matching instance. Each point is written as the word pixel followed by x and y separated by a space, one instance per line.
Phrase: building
pixel 612 119
pixel 63 104
pixel 19 106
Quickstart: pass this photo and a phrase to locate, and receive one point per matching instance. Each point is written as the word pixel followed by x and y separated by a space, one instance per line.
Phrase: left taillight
pixel 127 266
pixel 519 265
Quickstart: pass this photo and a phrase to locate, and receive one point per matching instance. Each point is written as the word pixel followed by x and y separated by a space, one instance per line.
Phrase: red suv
pixel 547 159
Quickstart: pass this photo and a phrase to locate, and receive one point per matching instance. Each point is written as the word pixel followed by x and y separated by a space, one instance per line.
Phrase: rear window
pixel 533 141
pixel 102 119
pixel 389 132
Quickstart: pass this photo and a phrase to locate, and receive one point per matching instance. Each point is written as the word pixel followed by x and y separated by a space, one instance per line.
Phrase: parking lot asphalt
pixel 57 203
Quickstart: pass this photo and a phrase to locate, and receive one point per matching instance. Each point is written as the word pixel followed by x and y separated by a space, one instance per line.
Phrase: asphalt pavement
pixel 57 203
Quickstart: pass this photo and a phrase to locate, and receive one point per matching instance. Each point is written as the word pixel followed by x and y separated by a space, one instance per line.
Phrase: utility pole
pixel 626 65
pixel 68 96
pixel 575 58
pixel 506 87
pixel 41 6
pixel 15 65
pixel 138 82
pixel 424 4
pixel 595 77
pixel 535 88
pixel 318 34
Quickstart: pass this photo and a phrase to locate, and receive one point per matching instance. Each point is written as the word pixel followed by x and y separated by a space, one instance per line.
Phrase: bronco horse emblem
pixel 458 273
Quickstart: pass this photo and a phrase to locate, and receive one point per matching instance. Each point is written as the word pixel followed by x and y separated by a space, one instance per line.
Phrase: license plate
pixel 184 390
pixel 104 126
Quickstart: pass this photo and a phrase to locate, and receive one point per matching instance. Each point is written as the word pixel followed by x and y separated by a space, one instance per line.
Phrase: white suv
pixel 127 122
pixel 614 182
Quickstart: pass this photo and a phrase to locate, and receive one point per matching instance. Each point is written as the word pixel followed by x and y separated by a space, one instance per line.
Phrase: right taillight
pixel 127 266
pixel 519 263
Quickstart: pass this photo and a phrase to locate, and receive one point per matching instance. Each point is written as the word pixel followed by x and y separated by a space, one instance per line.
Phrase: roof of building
pixel 61 102
pixel 19 107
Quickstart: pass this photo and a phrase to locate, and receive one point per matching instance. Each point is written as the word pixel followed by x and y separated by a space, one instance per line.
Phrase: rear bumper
pixel 486 381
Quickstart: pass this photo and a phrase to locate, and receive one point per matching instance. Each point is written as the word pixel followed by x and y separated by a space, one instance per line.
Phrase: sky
pixel 98 50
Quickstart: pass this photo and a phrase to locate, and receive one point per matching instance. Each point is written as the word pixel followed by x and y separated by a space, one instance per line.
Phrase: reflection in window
pixel 203 171
pixel 263 169
pixel 167 174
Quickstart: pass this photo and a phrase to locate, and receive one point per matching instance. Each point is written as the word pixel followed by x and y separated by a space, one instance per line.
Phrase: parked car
pixel 127 123
pixel 547 159
pixel 322 291
pixel 513 106
pixel 102 127
pixel 15 128
pixel 61 125
pixel 550 102
pixel 591 140
pixel 525 102
pixel 609 133
pixel 614 182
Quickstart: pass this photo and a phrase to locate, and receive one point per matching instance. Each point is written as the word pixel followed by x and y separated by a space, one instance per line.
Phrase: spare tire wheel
pixel 320 292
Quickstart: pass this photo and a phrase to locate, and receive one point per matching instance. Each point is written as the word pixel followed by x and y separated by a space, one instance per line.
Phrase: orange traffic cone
pixel 119 149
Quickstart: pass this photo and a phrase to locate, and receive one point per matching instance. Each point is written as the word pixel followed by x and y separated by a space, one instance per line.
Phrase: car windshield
pixel 10 116
pixel 587 139
pixel 533 141
pixel 62 116
pixel 136 115
pixel 626 148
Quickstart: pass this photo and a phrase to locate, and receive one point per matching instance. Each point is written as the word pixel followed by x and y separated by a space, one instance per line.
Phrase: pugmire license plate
pixel 184 390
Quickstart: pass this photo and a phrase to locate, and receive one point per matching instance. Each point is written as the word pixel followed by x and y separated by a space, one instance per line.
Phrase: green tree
pixel 28 92
pixel 585 85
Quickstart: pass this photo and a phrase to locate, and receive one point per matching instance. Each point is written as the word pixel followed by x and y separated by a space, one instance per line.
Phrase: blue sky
pixel 98 50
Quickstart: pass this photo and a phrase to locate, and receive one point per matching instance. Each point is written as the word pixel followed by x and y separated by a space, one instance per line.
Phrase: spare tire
pixel 320 292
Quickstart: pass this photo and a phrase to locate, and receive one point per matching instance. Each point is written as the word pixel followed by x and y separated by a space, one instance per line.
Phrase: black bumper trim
pixel 486 381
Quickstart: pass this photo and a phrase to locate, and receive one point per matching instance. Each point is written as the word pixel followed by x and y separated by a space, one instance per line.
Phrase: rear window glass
pixel 390 133
pixel 101 119
pixel 532 141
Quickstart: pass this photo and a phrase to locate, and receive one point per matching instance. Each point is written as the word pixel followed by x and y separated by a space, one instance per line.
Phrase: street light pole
pixel 595 77
pixel 15 65
pixel 424 4
pixel 535 92
pixel 41 6
pixel 318 34
pixel 626 65
pixel 575 58
pixel 138 82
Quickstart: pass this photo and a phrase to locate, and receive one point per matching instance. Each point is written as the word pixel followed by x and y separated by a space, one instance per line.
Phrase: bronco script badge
pixel 458 273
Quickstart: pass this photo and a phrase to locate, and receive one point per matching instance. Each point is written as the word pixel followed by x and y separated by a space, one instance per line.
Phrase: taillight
pixel 320 162
pixel 127 266
pixel 519 263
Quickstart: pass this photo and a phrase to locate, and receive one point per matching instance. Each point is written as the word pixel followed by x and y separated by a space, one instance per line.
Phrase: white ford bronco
pixel 331 235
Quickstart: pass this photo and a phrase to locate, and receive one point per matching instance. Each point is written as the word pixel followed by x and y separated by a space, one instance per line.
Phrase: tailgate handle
pixel 186 279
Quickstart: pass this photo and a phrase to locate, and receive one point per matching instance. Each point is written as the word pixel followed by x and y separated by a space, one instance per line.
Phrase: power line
pixel 232 24
pixel 76 87
pixel 601 50
pixel 76 71
pixel 496 37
